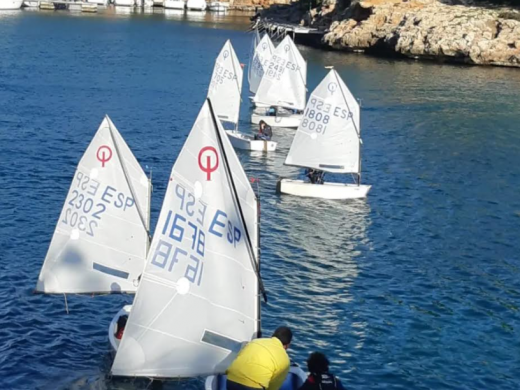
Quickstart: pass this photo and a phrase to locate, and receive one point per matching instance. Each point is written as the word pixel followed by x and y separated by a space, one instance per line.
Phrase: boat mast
pixel 255 262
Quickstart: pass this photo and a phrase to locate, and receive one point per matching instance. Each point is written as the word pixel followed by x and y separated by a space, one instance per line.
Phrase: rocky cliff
pixel 434 29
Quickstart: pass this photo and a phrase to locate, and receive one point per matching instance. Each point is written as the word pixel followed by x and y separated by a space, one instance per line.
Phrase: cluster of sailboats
pixel 197 281
pixel 192 5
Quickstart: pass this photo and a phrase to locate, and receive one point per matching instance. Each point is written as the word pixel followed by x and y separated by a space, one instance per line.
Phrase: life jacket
pixel 323 382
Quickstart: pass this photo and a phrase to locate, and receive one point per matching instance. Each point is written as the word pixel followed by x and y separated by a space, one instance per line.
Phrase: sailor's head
pixel 284 334
pixel 317 363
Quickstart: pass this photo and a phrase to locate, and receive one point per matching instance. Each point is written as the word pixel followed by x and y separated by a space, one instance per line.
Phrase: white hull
pixel 291 121
pixel 98 2
pixel 114 343
pixel 124 3
pixel 31 4
pixel 10 4
pixel 174 4
pixel 324 191
pixel 293 381
pixel 246 142
pixel 217 6
pixel 196 5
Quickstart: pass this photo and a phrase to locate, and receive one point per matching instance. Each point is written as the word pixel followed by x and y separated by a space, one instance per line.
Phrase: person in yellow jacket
pixel 262 363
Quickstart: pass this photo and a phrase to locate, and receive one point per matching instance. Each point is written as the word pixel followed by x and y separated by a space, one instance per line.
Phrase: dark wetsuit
pixel 322 382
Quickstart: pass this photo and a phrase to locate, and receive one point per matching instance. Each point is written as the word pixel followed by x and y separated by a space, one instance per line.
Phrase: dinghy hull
pixel 290 121
pixel 245 142
pixel 174 4
pixel 9 5
pixel 112 328
pixel 324 191
pixel 293 381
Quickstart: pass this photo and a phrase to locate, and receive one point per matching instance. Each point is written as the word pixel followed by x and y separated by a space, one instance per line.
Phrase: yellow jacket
pixel 262 363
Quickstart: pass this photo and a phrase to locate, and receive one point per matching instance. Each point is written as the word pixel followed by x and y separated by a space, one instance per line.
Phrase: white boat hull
pixel 324 191
pixel 290 121
pixel 294 380
pixel 31 4
pixel 10 4
pixel 174 4
pixel 112 329
pixel 246 142
pixel 196 5
pixel 124 3
pixel 217 6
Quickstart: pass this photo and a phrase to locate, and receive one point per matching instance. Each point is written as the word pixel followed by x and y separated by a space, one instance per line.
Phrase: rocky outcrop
pixel 433 29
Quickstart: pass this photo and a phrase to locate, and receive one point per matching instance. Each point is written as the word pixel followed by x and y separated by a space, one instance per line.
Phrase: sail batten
pixel 283 83
pixel 199 283
pixel 103 225
pixel 328 135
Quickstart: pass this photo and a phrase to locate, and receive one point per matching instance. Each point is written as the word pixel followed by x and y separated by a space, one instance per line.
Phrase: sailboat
pixel 260 57
pixel 224 91
pixel 328 139
pixel 199 296
pixel 101 239
pixel 281 94
pixel 7 5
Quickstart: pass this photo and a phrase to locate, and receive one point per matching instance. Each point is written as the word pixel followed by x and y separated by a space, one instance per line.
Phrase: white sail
pixel 301 61
pixel 101 239
pixel 328 137
pixel 226 85
pixel 198 297
pixel 254 44
pixel 282 83
pixel 261 56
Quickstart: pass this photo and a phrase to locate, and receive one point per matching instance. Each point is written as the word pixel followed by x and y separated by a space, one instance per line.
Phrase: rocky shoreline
pixel 445 30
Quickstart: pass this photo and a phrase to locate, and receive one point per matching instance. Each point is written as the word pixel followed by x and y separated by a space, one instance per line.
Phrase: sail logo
pixel 104 154
pixel 332 87
pixel 225 54
pixel 286 48
pixel 207 152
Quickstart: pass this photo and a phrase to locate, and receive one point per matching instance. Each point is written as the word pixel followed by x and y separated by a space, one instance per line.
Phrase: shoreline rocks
pixel 445 30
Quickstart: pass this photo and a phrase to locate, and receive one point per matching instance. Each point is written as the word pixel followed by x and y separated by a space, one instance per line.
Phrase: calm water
pixel 417 287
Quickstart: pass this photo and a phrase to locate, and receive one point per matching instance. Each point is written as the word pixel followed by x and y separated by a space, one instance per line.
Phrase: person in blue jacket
pixel 320 378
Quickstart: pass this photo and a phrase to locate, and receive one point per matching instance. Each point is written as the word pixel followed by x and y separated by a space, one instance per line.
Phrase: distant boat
pixel 102 236
pixel 7 5
pixel 31 3
pixel 218 6
pixel 224 91
pixel 328 139
pixel 125 3
pixel 196 5
pixel 281 94
pixel 174 4
pixel 259 61
pixel 199 297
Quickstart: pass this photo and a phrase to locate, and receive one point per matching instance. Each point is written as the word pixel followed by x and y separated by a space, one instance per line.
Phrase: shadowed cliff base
pixel 470 32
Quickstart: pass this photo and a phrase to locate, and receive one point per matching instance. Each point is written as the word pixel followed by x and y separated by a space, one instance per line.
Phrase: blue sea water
pixel 416 287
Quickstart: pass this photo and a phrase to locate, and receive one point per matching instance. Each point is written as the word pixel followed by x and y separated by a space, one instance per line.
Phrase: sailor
pixel 272 111
pixel 264 132
pixel 262 363
pixel 315 176
pixel 121 325
pixel 319 376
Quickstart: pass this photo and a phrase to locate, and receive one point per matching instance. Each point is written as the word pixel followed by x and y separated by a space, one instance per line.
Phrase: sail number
pixel 83 211
pixel 221 74
pixel 277 66
pixel 183 237
pixel 318 114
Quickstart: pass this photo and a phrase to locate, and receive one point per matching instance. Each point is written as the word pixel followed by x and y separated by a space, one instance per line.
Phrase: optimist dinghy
pixel 281 94
pixel 224 90
pixel 262 51
pixel 102 236
pixel 198 299
pixel 328 139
